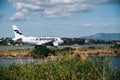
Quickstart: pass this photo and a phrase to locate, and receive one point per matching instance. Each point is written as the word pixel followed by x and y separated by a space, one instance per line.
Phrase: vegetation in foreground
pixel 65 64
pixel 72 67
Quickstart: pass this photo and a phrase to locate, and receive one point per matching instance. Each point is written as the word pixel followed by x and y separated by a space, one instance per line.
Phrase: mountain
pixel 104 36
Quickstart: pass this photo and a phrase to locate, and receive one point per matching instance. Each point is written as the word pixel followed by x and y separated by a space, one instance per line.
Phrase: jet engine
pixel 55 44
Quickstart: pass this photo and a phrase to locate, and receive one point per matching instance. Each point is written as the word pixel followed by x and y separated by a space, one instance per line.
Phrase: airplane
pixel 37 41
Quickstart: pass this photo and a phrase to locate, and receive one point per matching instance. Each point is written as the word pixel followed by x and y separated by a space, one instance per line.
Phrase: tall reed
pixel 62 68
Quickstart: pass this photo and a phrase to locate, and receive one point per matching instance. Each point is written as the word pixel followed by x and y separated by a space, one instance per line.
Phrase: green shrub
pixel 116 46
pixel 44 52
pixel 64 68
pixel 91 47
pixel 41 52
pixel 67 48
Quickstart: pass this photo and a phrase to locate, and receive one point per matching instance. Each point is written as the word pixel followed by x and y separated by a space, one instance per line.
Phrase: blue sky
pixel 62 18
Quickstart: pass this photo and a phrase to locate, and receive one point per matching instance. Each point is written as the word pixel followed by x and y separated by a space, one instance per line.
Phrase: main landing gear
pixel 40 46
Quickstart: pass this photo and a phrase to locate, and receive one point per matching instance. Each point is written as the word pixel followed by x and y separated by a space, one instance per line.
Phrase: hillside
pixel 104 36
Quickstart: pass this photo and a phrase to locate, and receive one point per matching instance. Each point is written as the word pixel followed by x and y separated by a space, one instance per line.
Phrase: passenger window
pixel 36 39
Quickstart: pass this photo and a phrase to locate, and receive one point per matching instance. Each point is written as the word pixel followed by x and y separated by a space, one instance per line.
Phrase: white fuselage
pixel 42 40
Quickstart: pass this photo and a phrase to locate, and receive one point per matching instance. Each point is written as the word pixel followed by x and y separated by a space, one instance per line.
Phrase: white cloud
pixel 61 1
pixel 87 25
pixel 20 6
pixel 18 16
pixel 107 25
pixel 53 8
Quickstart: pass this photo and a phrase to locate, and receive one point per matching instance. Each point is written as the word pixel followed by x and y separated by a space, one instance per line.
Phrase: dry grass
pixel 14 53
